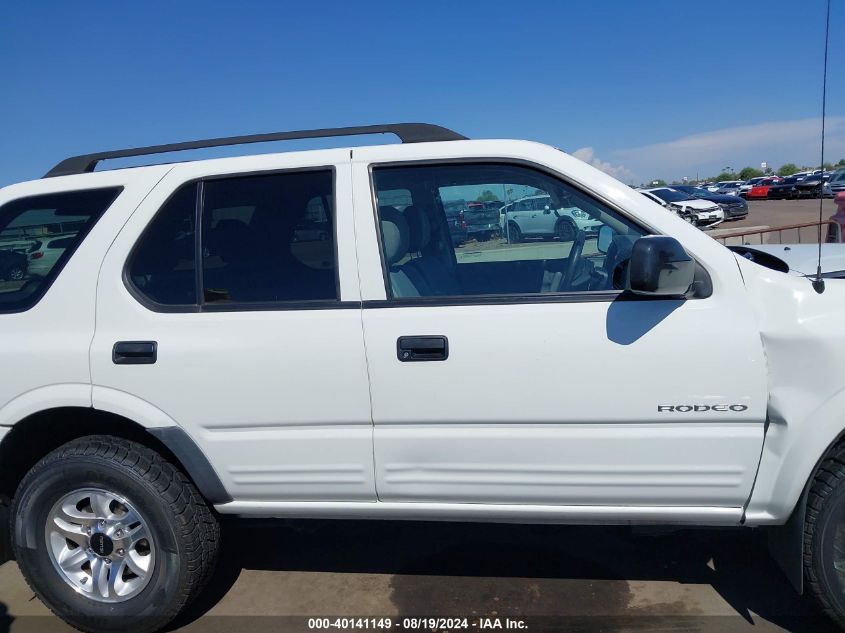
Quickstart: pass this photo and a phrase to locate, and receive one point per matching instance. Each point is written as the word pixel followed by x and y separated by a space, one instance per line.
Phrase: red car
pixel 761 189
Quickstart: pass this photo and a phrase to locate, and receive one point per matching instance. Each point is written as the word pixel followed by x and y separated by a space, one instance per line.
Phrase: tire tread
pixel 830 475
pixel 197 526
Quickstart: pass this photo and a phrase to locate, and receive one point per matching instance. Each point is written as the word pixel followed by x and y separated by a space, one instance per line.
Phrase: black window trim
pixel 200 306
pixel 51 277
pixel 495 299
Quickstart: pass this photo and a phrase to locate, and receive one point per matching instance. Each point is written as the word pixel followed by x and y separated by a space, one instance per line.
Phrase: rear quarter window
pixel 38 235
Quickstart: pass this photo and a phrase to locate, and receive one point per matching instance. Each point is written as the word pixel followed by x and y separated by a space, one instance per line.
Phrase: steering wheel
pixel 574 260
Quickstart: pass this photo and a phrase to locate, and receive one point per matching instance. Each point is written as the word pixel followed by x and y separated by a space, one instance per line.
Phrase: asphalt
pixel 766 214
pixel 274 576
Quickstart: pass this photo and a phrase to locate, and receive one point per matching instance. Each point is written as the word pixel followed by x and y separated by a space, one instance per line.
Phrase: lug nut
pixel 121 551
pixel 108 561
pixel 88 529
pixel 83 580
pixel 119 533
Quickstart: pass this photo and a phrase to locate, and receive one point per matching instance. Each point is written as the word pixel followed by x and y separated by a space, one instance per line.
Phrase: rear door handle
pixel 411 349
pixel 134 353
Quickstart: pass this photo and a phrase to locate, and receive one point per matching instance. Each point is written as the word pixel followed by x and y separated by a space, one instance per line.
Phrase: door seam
pixel 363 326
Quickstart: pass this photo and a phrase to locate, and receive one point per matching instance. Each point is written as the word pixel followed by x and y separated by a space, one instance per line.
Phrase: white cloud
pixel 588 155
pixel 776 142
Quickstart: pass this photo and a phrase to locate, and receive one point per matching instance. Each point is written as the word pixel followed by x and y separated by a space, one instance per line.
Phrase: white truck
pixel 192 354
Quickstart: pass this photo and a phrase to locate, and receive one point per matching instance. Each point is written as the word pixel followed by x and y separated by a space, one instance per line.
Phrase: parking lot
pixel 771 213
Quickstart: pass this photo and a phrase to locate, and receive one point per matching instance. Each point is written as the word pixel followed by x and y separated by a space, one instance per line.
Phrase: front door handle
pixel 411 349
pixel 134 353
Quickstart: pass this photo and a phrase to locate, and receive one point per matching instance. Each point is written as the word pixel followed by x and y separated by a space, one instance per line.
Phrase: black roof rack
pixel 407 133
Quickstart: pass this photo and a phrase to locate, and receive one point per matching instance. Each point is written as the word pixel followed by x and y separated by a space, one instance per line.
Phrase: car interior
pixel 254 246
pixel 421 260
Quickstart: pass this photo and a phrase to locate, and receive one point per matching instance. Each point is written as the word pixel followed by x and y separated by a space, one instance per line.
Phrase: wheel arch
pixel 786 541
pixel 37 434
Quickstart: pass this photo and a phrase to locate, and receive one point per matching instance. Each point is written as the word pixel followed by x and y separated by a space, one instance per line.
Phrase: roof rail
pixel 407 133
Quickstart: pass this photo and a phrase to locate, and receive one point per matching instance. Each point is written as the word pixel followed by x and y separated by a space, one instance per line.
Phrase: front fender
pixel 791 453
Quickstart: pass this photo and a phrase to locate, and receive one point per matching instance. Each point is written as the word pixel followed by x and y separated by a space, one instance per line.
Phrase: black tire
pixel 180 522
pixel 13 273
pixel 566 230
pixel 826 513
pixel 514 234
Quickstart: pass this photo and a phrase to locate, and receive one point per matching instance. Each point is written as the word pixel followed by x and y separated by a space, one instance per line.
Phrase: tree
pixel 841 163
pixel 487 196
pixel 749 172
pixel 788 169
pixel 725 175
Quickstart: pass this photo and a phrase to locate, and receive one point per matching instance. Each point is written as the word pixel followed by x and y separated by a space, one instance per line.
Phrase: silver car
pixel 729 188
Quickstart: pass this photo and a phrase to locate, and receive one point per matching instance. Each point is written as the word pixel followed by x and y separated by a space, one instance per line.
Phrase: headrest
pixel 394 234
pixel 419 226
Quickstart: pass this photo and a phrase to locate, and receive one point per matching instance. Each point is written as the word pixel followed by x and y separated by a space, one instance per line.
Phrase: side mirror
pixel 605 237
pixel 660 267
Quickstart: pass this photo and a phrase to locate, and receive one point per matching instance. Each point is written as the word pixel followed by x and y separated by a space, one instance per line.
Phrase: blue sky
pixel 643 89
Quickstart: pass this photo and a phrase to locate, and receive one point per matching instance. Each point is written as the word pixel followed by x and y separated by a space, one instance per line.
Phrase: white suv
pixel 536 216
pixel 193 352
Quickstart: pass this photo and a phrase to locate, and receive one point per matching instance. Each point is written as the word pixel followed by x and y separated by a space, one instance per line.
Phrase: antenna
pixel 818 282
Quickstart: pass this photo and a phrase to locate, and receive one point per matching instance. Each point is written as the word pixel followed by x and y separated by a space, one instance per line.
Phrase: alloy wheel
pixel 100 545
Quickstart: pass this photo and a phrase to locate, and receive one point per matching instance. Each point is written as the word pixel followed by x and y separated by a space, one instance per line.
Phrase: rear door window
pixel 264 240
pixel 38 235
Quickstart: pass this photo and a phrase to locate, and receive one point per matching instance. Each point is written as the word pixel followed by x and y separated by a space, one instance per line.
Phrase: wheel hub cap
pixel 100 545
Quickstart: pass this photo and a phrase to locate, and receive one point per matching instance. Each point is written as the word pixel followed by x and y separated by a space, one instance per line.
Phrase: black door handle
pixel 419 348
pixel 134 353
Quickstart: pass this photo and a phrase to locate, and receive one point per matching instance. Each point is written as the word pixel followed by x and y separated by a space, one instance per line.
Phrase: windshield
pixel 670 195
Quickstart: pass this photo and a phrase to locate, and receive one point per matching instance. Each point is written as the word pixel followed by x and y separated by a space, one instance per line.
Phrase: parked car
pixel 746 186
pixel 705 213
pixel 45 252
pixel 455 211
pixel 714 187
pixel 735 208
pixel 761 189
pixel 785 189
pixel 813 186
pixel 536 216
pixel 482 220
pixel 685 213
pixel 160 382
pixel 12 265
pixel 729 188
pixel 837 181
